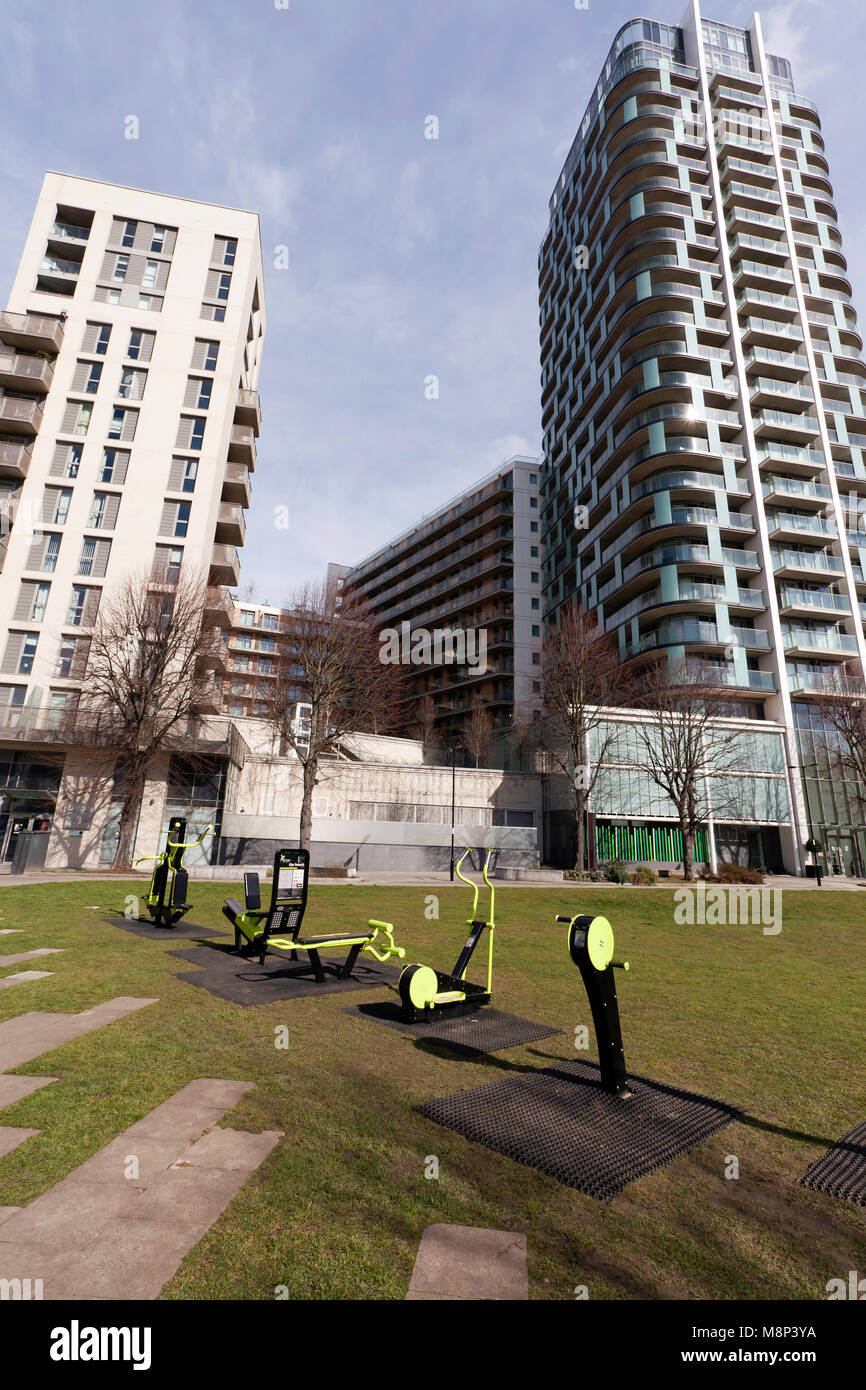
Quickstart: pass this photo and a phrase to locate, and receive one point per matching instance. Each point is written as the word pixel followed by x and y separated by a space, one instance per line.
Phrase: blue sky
pixel 408 256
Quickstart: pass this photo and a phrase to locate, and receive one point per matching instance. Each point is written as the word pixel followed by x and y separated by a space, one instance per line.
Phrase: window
pixel 231 247
pixel 181 523
pixel 244 641
pixel 157 241
pixel 102 337
pixel 148 279
pixel 112 296
pixel 121 266
pixel 533 501
pixel 40 598
pixel 210 356
pixel 50 553
pixel 75 613
pixel 533 552
pixel 73 460
pixel 174 560
pixel 533 477
pixel 91 385
pixel 190 473
pixel 66 656
pixel 88 551
pixel 28 652
pixel 265 665
pixel 61 506
pixel 534 603
pixel 134 347
pixel 224 285
pixel 145 301
pixel 536 630
pixel 533 525
pixel 97 510
pixel 248 619
pixel 131 386
pixel 82 419
pixel 128 237
pixel 242 663
pixel 269 622
pixel 533 576
pixel 204 389
pixel 196 434
pixel 536 659
pixel 111 466
pixel 267 644
pixel 115 429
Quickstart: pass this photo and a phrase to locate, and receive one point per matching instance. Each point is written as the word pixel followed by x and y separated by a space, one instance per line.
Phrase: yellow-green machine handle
pixel 386 951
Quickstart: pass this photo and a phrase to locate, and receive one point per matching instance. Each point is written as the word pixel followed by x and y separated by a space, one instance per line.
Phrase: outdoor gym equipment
pixel 166 901
pixel 425 991
pixel 590 945
pixel 277 927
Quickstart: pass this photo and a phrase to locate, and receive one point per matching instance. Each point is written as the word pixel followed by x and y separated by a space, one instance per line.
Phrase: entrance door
pixel 16 826
pixel 842 855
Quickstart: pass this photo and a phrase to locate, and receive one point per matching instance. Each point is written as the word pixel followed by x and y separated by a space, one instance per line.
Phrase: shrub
pixel 615 871
pixel 642 876
pixel 583 875
pixel 734 873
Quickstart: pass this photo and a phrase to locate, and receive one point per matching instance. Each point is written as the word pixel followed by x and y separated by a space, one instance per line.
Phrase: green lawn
pixel 771 1023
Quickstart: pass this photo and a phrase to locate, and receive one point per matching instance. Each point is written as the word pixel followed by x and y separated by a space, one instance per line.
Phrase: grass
pixel 770 1023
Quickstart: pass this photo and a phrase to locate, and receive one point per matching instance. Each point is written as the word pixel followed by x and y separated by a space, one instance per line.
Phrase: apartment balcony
pixel 785 425
pixel 225 566
pixel 726 675
pixel 14 460
pixel 242 446
pixel 767 390
pixel 18 371
pixel 210 696
pixel 821 683
pixel 20 416
pixel 248 410
pixel 792 526
pixel 690 631
pixel 63 231
pixel 787 489
pixel 214 655
pixel 36 332
pixel 231 526
pixel 798 562
pixel 794 601
pixel 790 456
pixel 58 274
pixel 236 484
pixel 790 365
pixel 219 608
pixel 804 642
pixel 769 332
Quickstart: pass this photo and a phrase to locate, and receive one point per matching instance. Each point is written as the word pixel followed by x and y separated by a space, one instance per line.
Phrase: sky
pixel 409 257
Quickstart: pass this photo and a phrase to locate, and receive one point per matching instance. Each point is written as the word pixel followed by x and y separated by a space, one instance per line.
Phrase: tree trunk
pixel 580 829
pixel 306 827
pixel 688 834
pixel 128 820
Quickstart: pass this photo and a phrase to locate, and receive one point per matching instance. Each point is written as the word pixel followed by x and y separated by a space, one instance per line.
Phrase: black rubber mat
pixel 243 981
pixel 841 1171
pixel 183 931
pixel 486 1031
pixel 560 1122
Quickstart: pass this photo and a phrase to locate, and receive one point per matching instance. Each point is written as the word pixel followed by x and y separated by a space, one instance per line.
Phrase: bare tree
pixel 582 678
pixel 682 744
pixel 478 732
pixel 147 685
pixel 331 653
pixel 424 726
pixel 842 706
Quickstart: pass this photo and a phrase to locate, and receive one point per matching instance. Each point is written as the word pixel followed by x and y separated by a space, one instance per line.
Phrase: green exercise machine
pixel 166 901
pixel 277 927
pixel 590 945
pixel 425 992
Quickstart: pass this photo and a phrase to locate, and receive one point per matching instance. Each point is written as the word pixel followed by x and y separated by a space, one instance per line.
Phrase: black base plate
pixel 560 1122
pixel 841 1171
pixel 146 927
pixel 243 981
pixel 484 1031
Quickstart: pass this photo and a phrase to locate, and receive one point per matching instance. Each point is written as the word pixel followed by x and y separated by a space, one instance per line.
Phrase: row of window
pixel 20 654
pixel 33 600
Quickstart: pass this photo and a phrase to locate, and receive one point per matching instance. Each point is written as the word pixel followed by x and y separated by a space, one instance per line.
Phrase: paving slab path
pixel 121 1223
pixel 456 1263
pixel 23 977
pixel 30 955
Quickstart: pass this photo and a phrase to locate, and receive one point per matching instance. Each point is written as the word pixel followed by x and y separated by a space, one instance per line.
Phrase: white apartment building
pixel 129 362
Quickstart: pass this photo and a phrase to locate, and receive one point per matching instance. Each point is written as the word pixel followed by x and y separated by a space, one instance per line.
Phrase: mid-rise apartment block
pixel 704 394
pixel 472 568
pixel 129 410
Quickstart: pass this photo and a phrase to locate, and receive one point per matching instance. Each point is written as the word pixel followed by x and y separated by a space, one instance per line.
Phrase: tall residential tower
pixel 704 398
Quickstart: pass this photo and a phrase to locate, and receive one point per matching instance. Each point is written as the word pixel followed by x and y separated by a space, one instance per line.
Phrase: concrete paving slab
pixel 30 955
pixel 469 1262
pixel 31 1034
pixel 11 1137
pixel 98 1234
pixel 15 1088
pixel 6 1212
pixel 24 977
pixel 11 931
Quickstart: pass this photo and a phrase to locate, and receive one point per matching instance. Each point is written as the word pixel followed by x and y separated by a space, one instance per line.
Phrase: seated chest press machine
pixel 277 927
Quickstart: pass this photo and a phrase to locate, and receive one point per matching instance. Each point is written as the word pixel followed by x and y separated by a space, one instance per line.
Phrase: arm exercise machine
pixel 590 945
pixel 277 927
pixel 425 991
pixel 166 901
